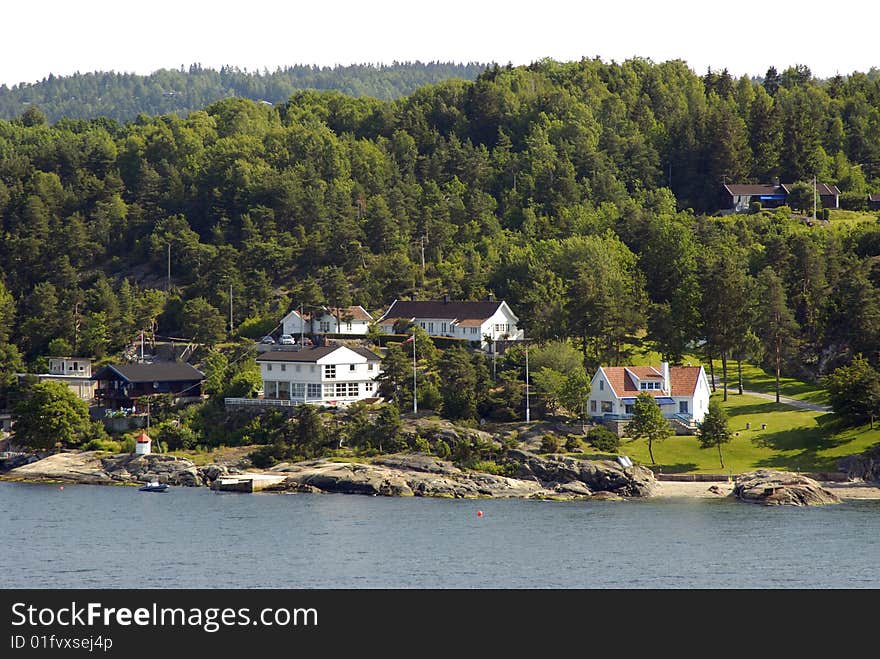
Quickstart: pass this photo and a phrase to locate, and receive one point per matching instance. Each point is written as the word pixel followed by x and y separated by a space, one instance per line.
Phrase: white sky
pixel 745 36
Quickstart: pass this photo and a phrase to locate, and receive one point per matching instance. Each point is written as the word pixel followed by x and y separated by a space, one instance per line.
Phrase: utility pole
pixel 528 418
pixel 415 396
pixel 814 198
pixel 230 310
pixel 168 281
pixel 302 327
pixel 422 241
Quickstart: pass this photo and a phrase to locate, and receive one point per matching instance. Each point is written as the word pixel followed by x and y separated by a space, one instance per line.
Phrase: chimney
pixel 490 297
pixel 446 298
pixel 664 368
pixel 775 181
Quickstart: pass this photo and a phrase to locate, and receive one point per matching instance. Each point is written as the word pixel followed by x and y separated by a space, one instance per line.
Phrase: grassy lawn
pixel 794 440
pixel 757 379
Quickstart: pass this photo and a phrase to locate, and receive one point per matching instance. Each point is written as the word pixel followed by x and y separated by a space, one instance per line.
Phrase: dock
pixel 249 483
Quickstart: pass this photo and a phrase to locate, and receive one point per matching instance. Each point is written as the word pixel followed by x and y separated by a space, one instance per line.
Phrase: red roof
pixel 682 378
pixel 143 438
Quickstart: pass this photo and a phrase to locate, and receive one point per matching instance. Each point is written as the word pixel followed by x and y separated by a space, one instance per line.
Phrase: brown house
pixel 120 385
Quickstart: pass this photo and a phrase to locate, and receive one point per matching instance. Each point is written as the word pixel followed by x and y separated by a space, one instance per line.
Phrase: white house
pixel 476 321
pixel 75 372
pixel 682 392
pixel 329 375
pixel 353 321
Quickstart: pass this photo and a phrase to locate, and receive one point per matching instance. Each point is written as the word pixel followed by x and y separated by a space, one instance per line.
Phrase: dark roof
pixel 823 189
pixel 874 197
pixel 155 372
pixel 311 354
pixel 454 309
pixel 755 189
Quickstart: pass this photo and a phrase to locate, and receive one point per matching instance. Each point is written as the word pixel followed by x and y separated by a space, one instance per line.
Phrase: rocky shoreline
pixel 531 476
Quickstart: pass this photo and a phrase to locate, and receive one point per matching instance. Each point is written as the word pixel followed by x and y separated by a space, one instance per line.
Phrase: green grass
pixel 794 440
pixel 757 379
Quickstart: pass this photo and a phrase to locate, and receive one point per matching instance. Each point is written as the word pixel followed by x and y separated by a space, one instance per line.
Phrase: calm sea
pixel 116 537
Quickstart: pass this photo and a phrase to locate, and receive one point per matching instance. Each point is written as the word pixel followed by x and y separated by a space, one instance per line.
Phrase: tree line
pixel 583 193
pixel 123 96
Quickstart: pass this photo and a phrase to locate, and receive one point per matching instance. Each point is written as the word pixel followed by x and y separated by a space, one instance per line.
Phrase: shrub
pixel 572 443
pixel 603 440
pixel 420 444
pixel 550 444
pixel 755 207
pixel 105 445
pixel 442 450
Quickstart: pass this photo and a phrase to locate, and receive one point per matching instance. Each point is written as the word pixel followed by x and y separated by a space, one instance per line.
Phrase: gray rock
pixel 418 462
pixel 781 488
pixel 862 466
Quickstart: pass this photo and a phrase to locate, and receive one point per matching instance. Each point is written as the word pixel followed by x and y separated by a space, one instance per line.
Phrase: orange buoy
pixel 479 513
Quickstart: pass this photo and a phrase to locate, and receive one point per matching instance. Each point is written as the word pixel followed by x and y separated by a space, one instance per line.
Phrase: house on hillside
pixel 482 322
pixel 75 372
pixel 737 198
pixel 328 375
pixel 874 202
pixel 682 392
pixel 121 385
pixel 353 321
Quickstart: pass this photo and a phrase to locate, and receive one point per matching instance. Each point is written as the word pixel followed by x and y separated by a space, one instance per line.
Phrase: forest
pixel 586 194
pixel 123 96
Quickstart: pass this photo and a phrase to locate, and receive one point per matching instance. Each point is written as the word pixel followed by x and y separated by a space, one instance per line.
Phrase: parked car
pixel 287 340
pixel 268 340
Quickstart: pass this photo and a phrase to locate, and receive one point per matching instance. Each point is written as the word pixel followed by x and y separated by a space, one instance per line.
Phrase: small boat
pixel 153 486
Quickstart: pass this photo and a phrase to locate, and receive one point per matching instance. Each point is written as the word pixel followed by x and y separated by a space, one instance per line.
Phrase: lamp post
pixel 415 396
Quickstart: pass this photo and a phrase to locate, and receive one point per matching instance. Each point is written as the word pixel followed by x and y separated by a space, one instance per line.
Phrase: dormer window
pixel 649 385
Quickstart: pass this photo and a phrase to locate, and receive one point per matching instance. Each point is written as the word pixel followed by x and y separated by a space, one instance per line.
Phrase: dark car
pixel 267 340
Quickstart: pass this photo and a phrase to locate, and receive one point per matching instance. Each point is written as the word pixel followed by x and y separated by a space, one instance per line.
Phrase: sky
pixel 746 37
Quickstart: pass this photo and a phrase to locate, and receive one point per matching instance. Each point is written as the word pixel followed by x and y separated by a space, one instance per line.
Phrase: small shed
pixel 143 444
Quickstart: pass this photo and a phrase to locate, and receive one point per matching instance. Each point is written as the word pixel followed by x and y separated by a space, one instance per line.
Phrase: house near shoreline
pixel 480 322
pixel 738 197
pixel 353 321
pixel 682 392
pixel 121 385
pixel 335 376
pixel 75 372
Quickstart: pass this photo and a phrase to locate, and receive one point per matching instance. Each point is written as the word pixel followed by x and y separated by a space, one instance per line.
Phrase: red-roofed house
pixel 682 392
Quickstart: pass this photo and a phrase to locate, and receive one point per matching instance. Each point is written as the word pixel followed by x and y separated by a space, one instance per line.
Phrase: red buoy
pixel 61 487
pixel 479 513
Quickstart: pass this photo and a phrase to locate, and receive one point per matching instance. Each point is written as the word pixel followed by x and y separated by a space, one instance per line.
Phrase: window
pixel 297 389
pixel 312 368
pixel 351 367
pixel 607 406
pixel 601 385
pixel 443 328
pixel 325 326
pixel 298 368
pixel 283 367
pixel 330 372
pixel 430 327
pixel 592 406
pixel 422 324
pixel 649 385
pixel 348 326
pixel 314 391
pixel 284 389
pixel 629 409
pixel 475 330
pixel 268 367
pixel 682 407
pixel 370 367
pixel 340 389
pixel 329 391
pixel 368 386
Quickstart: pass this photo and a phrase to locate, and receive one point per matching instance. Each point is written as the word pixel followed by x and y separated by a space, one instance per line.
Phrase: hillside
pixel 123 96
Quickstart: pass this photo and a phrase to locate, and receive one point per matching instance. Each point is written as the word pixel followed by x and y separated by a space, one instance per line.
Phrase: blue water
pixel 87 536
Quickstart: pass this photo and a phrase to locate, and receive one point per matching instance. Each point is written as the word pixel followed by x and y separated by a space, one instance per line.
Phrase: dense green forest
pixel 584 193
pixel 123 96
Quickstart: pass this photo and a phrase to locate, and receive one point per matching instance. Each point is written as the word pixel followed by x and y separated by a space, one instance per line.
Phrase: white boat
pixel 153 486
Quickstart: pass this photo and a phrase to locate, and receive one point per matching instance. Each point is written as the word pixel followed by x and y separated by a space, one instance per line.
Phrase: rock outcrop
pixel 597 475
pixel 95 467
pixel 862 466
pixel 781 488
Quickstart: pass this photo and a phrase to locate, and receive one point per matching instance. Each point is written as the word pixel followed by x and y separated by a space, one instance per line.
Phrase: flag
pixel 409 340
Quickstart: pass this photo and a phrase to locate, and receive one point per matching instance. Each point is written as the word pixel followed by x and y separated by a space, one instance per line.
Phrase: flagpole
pixel 415 396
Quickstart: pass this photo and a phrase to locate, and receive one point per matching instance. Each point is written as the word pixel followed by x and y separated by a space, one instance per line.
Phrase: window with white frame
pixel 340 390
pixel 314 390
pixel 284 367
pixel 370 366
pixel 351 367
pixel 329 391
pixel 348 326
pixel 368 386
pixel 297 389
pixel 325 326
pixel 352 390
pixel 268 367
pixel 330 371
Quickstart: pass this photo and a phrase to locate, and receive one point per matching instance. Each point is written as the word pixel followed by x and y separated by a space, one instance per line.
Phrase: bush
pixel 550 444
pixel 419 444
pixel 755 207
pixel 442 450
pixel 603 440
pixel 572 443
pixel 105 445
pixel 826 214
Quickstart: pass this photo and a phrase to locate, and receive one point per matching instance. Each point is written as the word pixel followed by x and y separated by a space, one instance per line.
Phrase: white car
pixel 287 340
